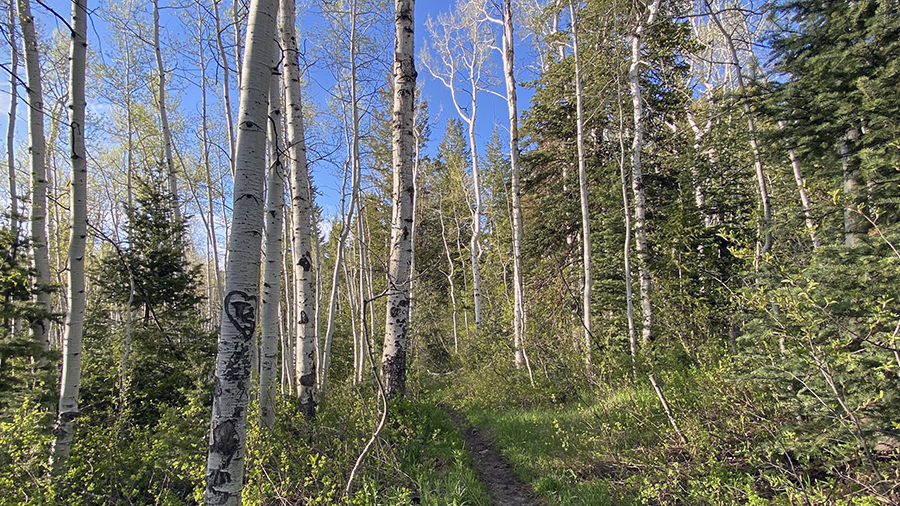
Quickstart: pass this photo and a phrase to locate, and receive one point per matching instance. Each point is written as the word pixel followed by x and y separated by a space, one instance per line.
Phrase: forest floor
pixel 502 485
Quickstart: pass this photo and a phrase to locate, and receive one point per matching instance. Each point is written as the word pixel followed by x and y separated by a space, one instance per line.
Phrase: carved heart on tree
pixel 241 310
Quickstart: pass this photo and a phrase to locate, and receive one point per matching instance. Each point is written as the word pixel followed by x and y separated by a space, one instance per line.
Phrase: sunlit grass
pixel 617 446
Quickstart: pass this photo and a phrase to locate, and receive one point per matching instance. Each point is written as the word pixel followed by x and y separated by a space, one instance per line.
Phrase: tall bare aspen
pixel 582 184
pixel 301 213
pixel 231 394
pixel 508 53
pixel 37 152
pixel 168 161
pixel 393 358
pixel 70 381
pixel 271 290
pixel 11 126
pixel 461 42
pixel 637 181
pixel 765 245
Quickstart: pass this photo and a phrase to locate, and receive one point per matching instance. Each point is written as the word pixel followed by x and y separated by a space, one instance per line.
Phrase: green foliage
pixel 116 463
pixel 24 455
pixel 141 436
pixel 617 447
pixel 838 371
pixel 839 71
pixel 25 368
pixel 418 454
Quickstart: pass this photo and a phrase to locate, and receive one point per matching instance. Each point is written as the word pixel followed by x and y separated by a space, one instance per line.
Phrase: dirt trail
pixel 502 485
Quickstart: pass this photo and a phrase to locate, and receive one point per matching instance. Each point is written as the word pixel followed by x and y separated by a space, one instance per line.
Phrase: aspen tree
pixel 11 126
pixel 70 381
pixel 582 184
pixel 804 198
pixel 226 85
pixel 37 150
pixel 355 168
pixel 271 292
pixel 508 54
pixel 228 423
pixel 637 181
pixel 393 358
pixel 168 161
pixel 204 137
pixel 304 275
pixel 764 247
pixel 461 43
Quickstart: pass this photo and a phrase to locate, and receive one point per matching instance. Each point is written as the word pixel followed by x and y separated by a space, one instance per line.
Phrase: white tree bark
pixel 168 161
pixel 70 381
pixel 301 218
pixel 226 86
pixel 804 198
pixel 356 175
pixel 364 287
pixel 508 54
pixel 37 150
pixel 228 424
pixel 461 43
pixel 271 292
pixel 450 274
pixel 287 311
pixel 393 358
pixel 582 184
pixel 418 128
pixel 11 126
pixel 854 222
pixel 216 285
pixel 637 182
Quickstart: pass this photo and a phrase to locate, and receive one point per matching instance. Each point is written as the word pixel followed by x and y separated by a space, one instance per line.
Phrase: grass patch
pixel 616 446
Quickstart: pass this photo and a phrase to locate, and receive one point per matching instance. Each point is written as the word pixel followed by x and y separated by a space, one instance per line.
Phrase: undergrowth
pixel 616 445
pixel 419 458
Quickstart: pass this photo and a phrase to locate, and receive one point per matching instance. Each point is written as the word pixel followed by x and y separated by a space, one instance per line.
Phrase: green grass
pixel 616 446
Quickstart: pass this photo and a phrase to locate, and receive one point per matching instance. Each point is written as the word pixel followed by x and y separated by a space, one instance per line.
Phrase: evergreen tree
pixel 19 351
pixel 152 352
pixel 838 97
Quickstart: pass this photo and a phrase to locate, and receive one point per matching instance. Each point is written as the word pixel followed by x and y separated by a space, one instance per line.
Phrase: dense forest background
pixel 668 276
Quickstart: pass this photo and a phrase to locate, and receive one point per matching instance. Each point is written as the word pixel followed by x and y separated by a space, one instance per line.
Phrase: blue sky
pixel 492 109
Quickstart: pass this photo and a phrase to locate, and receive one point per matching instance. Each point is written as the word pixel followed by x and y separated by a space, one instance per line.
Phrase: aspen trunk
pixel 362 248
pixel 449 274
pixel 70 381
pixel 207 168
pixel 475 242
pixel 11 126
pixel 37 150
pixel 287 311
pixel 804 198
pixel 271 292
pixel 854 188
pixel 417 145
pixel 512 105
pixel 226 86
pixel 356 175
pixel 637 182
pixel 626 253
pixel 585 211
pixel 228 423
pixel 393 358
pixel 304 312
pixel 168 161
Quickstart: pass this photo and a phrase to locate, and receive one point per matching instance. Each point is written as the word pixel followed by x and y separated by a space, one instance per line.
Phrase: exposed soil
pixel 502 485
